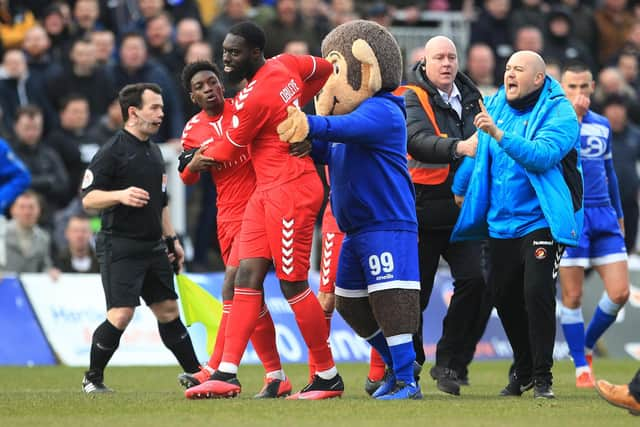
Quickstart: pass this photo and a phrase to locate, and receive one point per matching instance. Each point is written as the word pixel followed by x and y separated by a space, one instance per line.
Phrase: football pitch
pixel 51 396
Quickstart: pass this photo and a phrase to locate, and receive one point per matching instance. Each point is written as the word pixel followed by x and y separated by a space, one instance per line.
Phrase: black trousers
pixel 522 276
pixel 465 316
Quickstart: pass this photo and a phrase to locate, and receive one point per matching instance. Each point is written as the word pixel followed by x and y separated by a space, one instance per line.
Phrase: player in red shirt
pixel 278 222
pixel 235 182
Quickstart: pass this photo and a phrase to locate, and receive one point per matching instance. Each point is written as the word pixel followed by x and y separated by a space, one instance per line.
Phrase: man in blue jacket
pixel 524 192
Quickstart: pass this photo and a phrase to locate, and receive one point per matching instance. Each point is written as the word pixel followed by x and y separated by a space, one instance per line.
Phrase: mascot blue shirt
pixel 371 158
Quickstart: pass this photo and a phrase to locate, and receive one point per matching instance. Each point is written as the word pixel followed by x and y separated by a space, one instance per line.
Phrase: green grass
pixel 51 396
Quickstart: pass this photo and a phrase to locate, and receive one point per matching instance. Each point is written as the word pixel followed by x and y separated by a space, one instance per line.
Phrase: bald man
pixel 435 157
pixel 524 192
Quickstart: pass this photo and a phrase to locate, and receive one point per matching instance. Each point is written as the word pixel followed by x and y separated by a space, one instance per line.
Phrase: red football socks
pixel 247 304
pixel 311 321
pixel 216 356
pixel 376 366
pixel 264 341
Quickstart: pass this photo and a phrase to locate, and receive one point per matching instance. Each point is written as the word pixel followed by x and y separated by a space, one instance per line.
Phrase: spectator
pixel 287 25
pixel 529 38
pixel 198 51
pixel 36 46
pixel 49 177
pixel 315 15
pixel 162 48
pixel 82 75
pixel 481 68
pixel 18 88
pixel 57 27
pixel 626 149
pixel 71 142
pixel 85 16
pixel 147 9
pixel 531 13
pixel 15 20
pixel 27 245
pixel 554 69
pixel 493 28
pixel 78 256
pixel 584 25
pixel 107 125
pixel 233 11
pixel 613 24
pixel 561 44
pixel 104 42
pixel 628 66
pixel 188 30
pixel 342 11
pixel 135 67
pixel 381 13
pixel 611 82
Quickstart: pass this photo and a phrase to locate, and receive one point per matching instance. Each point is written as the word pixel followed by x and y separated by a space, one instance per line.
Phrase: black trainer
pixel 446 380
pixel 463 380
pixel 370 386
pixel 516 386
pixel 95 386
pixel 542 390
pixel 320 388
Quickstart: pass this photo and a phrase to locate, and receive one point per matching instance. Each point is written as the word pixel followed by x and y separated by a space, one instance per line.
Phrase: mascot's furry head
pixel 366 59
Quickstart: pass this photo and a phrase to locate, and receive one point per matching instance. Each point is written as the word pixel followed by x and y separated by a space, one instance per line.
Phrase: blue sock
pixel 573 328
pixel 403 354
pixel 379 342
pixel 604 316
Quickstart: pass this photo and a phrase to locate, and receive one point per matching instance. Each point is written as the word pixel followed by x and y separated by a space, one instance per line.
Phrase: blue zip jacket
pixel 366 151
pixel 549 154
pixel 14 176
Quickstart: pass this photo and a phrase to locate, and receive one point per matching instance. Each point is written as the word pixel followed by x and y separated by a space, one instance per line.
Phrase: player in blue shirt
pixel 602 243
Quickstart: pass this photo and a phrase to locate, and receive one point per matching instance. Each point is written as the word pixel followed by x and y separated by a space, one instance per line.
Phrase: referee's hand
pixel 134 196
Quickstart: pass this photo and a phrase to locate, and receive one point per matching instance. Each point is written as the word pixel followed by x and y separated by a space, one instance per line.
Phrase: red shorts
pixel 228 232
pixel 278 224
pixel 331 245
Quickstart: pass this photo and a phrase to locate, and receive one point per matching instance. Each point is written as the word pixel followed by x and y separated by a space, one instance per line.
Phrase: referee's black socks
pixel 106 339
pixel 176 338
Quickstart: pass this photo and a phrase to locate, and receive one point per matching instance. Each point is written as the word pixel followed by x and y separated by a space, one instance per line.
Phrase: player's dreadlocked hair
pixel 249 31
pixel 192 68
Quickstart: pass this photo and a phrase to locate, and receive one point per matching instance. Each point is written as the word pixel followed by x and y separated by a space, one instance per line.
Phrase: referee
pixel 127 181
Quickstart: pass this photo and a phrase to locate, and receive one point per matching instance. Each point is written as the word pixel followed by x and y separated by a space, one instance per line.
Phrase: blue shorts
pixel 601 241
pixel 378 260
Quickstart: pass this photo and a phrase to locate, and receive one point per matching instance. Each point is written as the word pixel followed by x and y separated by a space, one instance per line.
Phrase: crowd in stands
pixel 63 62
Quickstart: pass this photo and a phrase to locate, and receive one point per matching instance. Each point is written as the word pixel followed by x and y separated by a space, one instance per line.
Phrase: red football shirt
pixel 262 105
pixel 235 180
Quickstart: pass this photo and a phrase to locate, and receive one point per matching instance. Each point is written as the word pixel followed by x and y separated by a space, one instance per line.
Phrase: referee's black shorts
pixel 131 269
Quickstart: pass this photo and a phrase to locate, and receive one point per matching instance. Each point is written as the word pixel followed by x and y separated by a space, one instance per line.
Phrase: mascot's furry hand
pixel 295 127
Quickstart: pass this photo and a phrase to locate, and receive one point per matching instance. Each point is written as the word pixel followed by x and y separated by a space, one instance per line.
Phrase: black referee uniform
pixel 131 249
pixel 130 246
